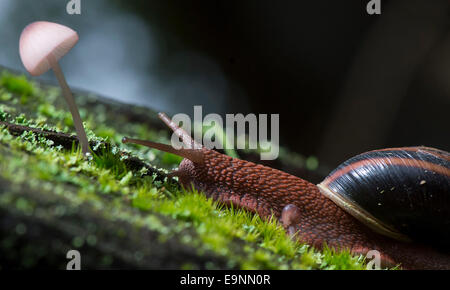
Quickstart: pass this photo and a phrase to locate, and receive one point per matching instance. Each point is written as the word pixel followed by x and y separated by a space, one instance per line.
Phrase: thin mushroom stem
pixel 81 133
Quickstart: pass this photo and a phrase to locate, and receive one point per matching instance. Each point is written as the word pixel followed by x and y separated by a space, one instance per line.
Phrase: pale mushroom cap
pixel 42 39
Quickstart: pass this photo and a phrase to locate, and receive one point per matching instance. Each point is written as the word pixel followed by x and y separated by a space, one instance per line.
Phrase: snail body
pixel 391 200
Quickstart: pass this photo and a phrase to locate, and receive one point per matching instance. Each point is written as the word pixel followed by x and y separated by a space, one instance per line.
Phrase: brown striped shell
pixel 400 192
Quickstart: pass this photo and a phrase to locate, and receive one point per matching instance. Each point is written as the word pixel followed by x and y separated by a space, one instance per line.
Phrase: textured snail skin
pixel 306 213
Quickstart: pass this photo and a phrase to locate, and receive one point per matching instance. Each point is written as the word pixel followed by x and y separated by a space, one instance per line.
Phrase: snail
pixel 395 201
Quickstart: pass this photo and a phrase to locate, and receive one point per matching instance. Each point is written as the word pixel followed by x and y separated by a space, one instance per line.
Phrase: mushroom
pixel 41 45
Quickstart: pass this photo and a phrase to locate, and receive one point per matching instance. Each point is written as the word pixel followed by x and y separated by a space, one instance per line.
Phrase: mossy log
pixel 120 209
pixel 38 228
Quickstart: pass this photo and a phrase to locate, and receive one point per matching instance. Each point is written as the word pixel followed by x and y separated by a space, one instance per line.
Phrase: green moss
pixel 17 85
pixel 119 193
pixel 171 159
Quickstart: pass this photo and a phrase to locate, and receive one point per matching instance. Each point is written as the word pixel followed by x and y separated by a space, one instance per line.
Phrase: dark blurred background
pixel 342 81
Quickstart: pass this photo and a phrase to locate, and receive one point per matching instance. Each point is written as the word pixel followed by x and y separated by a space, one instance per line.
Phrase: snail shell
pixel 403 193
